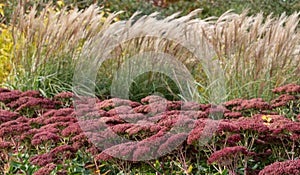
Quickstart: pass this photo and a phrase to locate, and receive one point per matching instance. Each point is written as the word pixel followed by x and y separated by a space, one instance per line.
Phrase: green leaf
pixel 15 164
pixel 225 172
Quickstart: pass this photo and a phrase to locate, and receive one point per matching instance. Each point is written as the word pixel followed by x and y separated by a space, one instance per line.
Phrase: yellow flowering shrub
pixel 6 46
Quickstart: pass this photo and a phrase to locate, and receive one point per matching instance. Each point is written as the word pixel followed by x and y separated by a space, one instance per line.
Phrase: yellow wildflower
pixel 267 119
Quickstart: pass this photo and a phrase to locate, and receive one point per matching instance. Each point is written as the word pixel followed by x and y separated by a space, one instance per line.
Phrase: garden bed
pixel 242 136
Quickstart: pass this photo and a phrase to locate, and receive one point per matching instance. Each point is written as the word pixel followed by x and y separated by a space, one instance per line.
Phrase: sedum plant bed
pixel 249 136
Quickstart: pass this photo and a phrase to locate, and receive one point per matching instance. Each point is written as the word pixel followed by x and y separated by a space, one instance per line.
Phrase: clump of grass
pixel 250 54
pixel 145 40
pixel 256 53
pixel 47 43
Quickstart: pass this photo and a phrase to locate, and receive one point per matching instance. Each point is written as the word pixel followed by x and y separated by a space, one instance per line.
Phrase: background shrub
pixel 168 7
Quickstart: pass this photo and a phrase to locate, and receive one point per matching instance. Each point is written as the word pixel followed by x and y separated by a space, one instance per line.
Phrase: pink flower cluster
pixel 289 88
pixel 283 100
pixel 46 169
pixel 291 167
pixel 6 116
pixel 227 155
pixel 45 136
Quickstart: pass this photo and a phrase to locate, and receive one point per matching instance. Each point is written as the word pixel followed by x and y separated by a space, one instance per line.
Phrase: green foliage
pixel 210 8
pixel 20 164
pixel 153 83
pixel 168 7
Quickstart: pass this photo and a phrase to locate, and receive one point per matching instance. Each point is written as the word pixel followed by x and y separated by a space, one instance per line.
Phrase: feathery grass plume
pixel 48 41
pixel 144 35
pixel 256 53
